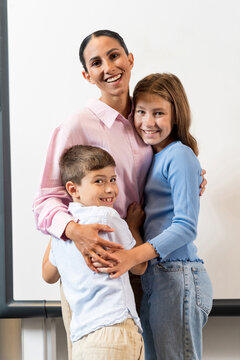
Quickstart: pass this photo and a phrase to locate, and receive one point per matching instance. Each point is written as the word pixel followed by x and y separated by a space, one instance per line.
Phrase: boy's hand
pixel 135 216
pixel 90 244
pixel 204 182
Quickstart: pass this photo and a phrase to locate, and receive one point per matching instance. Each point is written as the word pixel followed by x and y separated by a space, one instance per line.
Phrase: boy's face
pixel 98 188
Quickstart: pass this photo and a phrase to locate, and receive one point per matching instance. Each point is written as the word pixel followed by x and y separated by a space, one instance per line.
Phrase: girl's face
pixel 109 67
pixel 153 120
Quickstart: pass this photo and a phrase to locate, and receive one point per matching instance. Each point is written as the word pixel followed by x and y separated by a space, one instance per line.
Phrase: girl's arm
pixel 130 259
pixel 49 272
pixel 135 218
pixel 182 171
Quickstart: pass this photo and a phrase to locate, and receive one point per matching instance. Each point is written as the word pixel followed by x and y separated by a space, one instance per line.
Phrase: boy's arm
pixel 49 272
pixel 135 218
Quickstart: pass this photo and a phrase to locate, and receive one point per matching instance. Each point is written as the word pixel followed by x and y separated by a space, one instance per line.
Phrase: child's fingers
pixel 109 256
pixel 112 274
pixel 96 264
pixel 100 259
pixel 106 270
pixel 115 275
pixel 89 263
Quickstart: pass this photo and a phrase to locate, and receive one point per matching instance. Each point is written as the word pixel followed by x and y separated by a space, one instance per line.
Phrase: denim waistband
pixel 177 261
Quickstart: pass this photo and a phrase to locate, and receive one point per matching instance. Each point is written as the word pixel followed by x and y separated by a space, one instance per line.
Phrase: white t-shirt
pixel 95 299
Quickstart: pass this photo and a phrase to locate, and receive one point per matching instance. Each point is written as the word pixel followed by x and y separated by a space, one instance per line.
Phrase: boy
pixel 105 324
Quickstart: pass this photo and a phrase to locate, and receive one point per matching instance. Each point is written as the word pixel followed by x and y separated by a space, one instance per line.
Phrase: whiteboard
pixel 196 40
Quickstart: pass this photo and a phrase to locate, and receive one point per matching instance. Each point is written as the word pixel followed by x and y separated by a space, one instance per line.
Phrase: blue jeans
pixel 177 298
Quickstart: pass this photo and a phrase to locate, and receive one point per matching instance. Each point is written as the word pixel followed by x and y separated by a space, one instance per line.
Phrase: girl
pixel 177 290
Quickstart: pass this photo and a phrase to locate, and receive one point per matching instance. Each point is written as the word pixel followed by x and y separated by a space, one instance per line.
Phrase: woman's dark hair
pixel 109 33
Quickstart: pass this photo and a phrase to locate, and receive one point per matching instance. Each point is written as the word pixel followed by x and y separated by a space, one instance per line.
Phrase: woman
pixel 108 123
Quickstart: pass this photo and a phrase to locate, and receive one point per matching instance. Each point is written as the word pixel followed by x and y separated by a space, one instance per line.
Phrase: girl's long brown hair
pixel 169 87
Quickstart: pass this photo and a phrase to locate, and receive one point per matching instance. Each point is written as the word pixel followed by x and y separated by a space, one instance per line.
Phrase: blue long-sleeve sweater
pixel 172 203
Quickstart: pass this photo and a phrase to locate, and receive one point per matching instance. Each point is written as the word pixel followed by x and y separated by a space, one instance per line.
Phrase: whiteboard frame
pixel 9 308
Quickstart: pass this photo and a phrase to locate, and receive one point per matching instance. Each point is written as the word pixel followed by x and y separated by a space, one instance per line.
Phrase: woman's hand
pixel 90 244
pixel 204 182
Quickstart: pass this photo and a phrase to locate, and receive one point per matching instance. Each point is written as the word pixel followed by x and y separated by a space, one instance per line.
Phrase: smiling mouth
pixel 107 200
pixel 150 131
pixel 114 78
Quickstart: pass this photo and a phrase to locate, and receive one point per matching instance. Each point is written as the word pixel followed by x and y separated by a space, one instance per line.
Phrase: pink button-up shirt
pixel 98 125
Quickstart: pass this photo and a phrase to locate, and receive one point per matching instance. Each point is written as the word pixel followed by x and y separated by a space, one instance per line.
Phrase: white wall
pixel 197 40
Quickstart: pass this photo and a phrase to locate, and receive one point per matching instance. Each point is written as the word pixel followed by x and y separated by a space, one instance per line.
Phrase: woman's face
pixel 109 67
pixel 153 120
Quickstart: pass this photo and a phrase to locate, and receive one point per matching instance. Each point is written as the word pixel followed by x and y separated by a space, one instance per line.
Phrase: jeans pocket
pixel 169 267
pixel 203 287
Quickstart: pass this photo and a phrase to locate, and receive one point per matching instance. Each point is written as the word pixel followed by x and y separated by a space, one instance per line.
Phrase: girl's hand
pixel 125 262
pixel 90 244
pixel 135 216
pixel 204 182
pixel 97 264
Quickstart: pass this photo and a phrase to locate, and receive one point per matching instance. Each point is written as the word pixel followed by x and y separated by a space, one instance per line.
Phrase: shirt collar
pixel 77 210
pixel 105 113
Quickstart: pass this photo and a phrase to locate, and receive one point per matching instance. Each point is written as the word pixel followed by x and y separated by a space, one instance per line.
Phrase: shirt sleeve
pixel 50 206
pixel 182 171
pixel 121 234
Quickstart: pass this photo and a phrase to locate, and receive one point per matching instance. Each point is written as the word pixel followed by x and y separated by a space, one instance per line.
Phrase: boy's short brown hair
pixel 76 161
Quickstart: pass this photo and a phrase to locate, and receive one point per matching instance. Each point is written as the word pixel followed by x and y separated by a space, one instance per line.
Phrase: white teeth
pixel 115 78
pixel 108 199
pixel 149 131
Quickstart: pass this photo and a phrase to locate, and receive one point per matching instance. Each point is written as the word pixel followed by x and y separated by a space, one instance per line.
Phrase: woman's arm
pixel 49 272
pixel 51 205
pixel 203 183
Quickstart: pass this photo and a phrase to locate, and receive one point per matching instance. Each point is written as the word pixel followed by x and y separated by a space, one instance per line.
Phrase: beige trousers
pixel 117 342
pixel 67 316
